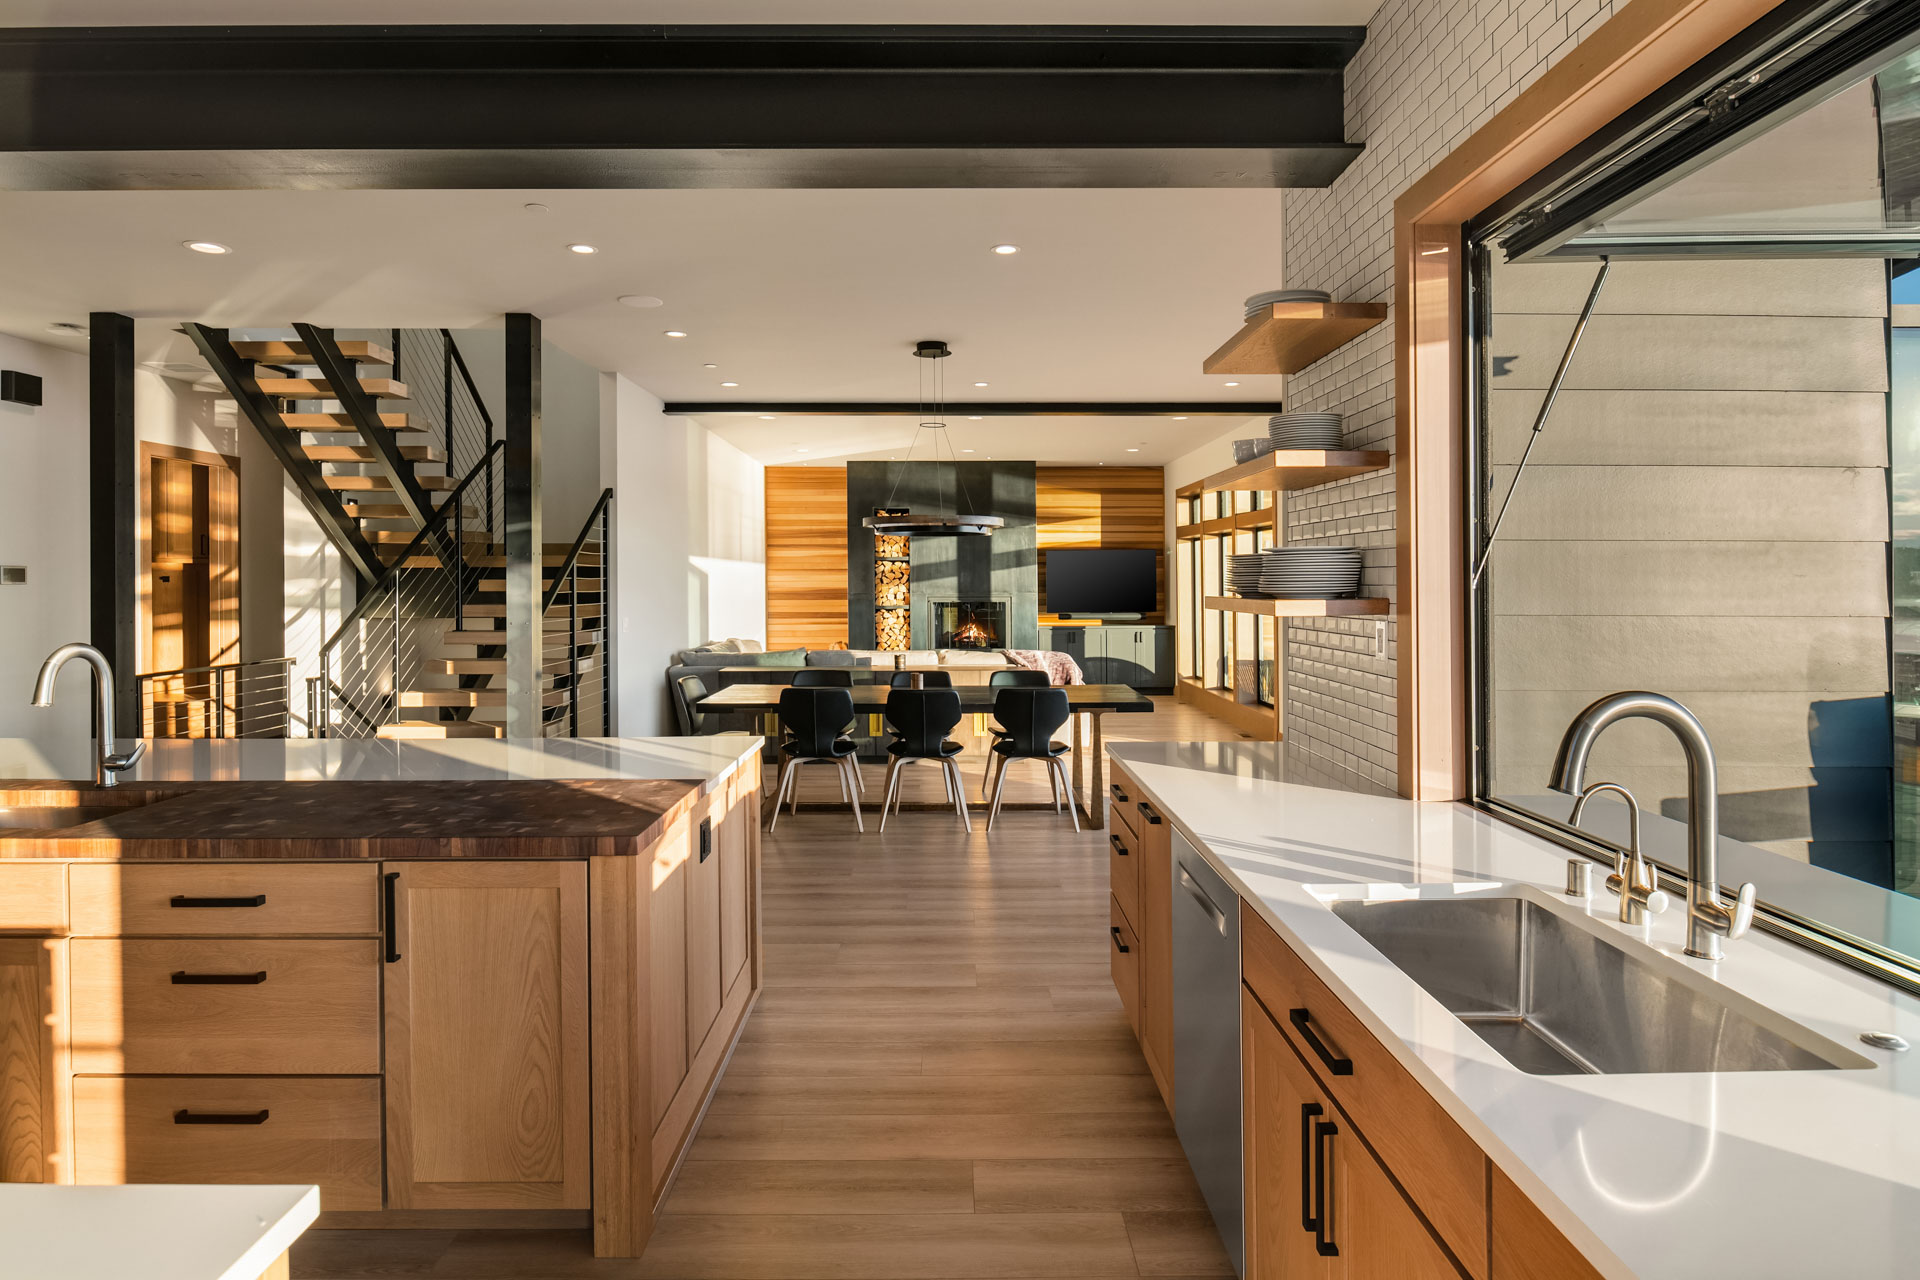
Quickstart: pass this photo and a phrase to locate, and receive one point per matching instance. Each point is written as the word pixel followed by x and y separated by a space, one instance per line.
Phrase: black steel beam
pixel 520 500
pixel 497 106
pixel 236 373
pixel 112 510
pixel 981 409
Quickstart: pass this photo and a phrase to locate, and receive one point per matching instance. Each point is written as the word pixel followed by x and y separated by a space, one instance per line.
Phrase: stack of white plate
pixel 1305 430
pixel 1311 573
pixel 1261 301
pixel 1248 450
pixel 1244 574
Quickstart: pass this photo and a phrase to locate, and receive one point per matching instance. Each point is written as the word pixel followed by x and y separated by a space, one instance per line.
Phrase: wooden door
pixel 1156 942
pixel 486 1036
pixel 1376 1230
pixel 1280 1108
pixel 172 532
pixel 35 1133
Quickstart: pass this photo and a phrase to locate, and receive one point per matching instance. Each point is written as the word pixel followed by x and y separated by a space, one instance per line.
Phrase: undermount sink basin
pixel 1555 994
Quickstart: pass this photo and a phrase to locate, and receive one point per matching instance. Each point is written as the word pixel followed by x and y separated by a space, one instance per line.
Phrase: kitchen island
pixel 467 983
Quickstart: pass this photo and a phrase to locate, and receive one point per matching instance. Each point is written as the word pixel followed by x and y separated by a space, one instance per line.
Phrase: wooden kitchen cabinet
pixel 1156 945
pixel 35 1120
pixel 487 1103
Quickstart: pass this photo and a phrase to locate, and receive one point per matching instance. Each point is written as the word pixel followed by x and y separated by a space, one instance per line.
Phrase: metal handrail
pixel 225 682
pixel 573 552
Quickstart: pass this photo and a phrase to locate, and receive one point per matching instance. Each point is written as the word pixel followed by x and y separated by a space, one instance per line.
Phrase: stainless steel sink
pixel 1558 994
pixel 49 817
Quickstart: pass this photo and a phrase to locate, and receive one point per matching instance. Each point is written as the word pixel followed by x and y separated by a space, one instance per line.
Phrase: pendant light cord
pixel 959 481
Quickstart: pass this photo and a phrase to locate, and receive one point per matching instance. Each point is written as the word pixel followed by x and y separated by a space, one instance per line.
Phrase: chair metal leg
pixel 999 786
pixel 853 798
pixel 787 769
pixel 958 791
pixel 946 784
pixel 1053 784
pixel 840 767
pixel 892 789
pixel 1073 810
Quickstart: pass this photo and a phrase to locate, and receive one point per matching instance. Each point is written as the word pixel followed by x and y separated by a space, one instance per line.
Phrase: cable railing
pixel 384 661
pixel 442 392
pixel 231 700
pixel 574 660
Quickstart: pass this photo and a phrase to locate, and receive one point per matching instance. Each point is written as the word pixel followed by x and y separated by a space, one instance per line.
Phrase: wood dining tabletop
pixel 973 697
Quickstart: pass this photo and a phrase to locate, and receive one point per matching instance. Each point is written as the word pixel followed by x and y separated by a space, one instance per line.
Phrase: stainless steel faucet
pixel 1632 877
pixel 106 764
pixel 1708 919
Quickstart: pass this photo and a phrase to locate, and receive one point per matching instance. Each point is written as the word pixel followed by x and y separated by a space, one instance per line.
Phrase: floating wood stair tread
pixel 360 484
pixel 1289 336
pixel 364 453
pixel 552 560
pixel 1356 608
pixel 441 729
pixel 292 352
pixel 471 636
pixel 474 667
pixel 321 389
pixel 557 613
pixel 471 698
pixel 342 424
pixel 1291 469
pixel 388 511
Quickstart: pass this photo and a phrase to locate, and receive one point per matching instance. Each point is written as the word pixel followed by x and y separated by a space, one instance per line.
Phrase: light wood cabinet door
pixel 704 979
pixel 1123 956
pixel 35 1136
pixel 1375 1229
pixel 1156 946
pixel 667 917
pixel 486 1045
pixel 1279 1112
pixel 734 835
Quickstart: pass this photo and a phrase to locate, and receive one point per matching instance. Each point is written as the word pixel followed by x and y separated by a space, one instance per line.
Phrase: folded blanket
pixel 1060 667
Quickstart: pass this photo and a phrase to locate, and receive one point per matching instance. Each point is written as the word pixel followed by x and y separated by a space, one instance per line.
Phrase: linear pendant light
pixel 917 524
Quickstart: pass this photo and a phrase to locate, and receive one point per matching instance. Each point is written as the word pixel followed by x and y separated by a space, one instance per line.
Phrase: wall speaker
pixel 19 388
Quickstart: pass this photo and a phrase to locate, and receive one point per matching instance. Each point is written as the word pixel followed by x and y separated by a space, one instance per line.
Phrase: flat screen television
pixel 1101 580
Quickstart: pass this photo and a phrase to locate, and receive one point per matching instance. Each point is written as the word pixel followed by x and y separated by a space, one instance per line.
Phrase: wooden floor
pixel 938 1081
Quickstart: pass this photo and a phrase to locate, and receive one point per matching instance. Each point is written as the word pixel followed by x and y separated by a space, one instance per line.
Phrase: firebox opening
pixel 970 624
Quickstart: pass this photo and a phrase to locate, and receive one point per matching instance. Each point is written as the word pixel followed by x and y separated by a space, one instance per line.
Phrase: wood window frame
pixel 1642 47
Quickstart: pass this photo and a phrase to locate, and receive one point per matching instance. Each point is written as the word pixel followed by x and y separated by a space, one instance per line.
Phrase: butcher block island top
pixel 343 799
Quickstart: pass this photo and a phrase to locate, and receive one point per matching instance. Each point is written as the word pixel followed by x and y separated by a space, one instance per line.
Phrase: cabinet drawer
pixel 1123 796
pixel 201 1129
pixel 33 897
pixel 1442 1169
pixel 1123 871
pixel 253 899
pixel 147 1006
pixel 1124 949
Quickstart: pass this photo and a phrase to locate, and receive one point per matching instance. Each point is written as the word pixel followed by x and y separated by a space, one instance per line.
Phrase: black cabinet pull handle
pixel 181 900
pixel 1323 1189
pixel 1302 1022
pixel 183 1116
pixel 185 979
pixel 1146 811
pixel 1124 948
pixel 388 881
pixel 1118 794
pixel 1308 1110
pixel 706 838
pixel 1117 846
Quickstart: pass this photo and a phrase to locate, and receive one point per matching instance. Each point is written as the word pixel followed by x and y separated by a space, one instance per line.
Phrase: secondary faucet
pixel 1708 919
pixel 106 764
pixel 1632 878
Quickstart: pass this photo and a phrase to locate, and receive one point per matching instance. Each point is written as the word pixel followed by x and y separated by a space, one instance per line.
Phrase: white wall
pixel 43 525
pixel 570 481
pixel 689 558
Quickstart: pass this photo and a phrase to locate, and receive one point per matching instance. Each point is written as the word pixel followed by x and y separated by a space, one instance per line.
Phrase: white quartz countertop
pixel 380 760
pixel 1789 1174
pixel 149 1232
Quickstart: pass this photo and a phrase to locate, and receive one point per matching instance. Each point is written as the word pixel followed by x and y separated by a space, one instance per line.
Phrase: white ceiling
pixel 37 13
pixel 1116 295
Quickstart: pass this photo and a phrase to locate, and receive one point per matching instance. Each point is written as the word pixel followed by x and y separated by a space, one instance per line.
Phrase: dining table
pixel 1088 705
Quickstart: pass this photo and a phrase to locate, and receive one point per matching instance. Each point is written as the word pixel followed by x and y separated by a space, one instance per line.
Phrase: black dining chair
pixel 1029 717
pixel 928 679
pixel 1018 678
pixel 812 720
pixel 921 719
pixel 822 678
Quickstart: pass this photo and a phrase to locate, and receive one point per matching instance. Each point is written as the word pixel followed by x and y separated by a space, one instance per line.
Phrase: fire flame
pixel 972 633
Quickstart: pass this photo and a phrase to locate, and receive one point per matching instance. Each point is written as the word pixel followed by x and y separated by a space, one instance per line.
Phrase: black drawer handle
pixel 180 900
pixel 1146 811
pixel 1124 948
pixel 1117 846
pixel 390 881
pixel 185 979
pixel 1118 794
pixel 183 1116
pixel 1302 1022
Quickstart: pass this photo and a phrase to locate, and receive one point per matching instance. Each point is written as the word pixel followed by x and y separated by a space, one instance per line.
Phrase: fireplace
pixel 969 624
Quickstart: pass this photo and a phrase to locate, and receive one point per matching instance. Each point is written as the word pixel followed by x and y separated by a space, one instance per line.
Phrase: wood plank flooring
pixel 938 1084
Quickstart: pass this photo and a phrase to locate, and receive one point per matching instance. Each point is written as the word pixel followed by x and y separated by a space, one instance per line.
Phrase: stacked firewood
pixel 891 546
pixel 890 583
pixel 892 632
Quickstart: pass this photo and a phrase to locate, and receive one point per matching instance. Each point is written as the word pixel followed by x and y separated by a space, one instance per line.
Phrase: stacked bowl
pixel 1244 574
pixel 1305 431
pixel 1311 573
pixel 1259 302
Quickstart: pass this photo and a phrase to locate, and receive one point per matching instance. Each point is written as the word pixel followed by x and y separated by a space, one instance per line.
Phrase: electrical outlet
pixel 1380 637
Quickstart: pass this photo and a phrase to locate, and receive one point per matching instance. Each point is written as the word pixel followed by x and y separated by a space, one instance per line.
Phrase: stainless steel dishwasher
pixel 1206 1037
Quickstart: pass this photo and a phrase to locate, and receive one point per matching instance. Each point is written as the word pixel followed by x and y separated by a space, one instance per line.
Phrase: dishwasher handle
pixel 1206 904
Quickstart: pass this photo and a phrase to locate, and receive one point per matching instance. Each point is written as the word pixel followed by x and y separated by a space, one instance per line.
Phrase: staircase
pixel 394 453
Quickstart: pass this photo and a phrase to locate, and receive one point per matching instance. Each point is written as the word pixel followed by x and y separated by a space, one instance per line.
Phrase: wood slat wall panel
pixel 806 522
pixel 1103 507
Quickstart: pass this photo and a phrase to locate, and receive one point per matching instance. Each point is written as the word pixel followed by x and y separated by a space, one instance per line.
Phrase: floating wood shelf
pixel 1239 522
pixel 1291 469
pixel 1289 336
pixel 1355 608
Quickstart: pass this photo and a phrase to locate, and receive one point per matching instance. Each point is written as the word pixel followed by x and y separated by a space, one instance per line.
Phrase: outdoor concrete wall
pixel 1705 515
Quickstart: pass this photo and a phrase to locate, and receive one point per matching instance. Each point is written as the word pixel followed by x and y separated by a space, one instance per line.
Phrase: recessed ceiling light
pixel 1179 417
pixel 979 384
pixel 675 333
pixel 1006 249
pixel 966 451
pixel 768 417
pixel 973 417
pixel 534 207
pixel 1133 451
pixel 729 384
pixel 641 300
pixel 68 327
pixel 205 246
pixel 581 248
pixel 1233 384
pixel 803 451
pixel 709 366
